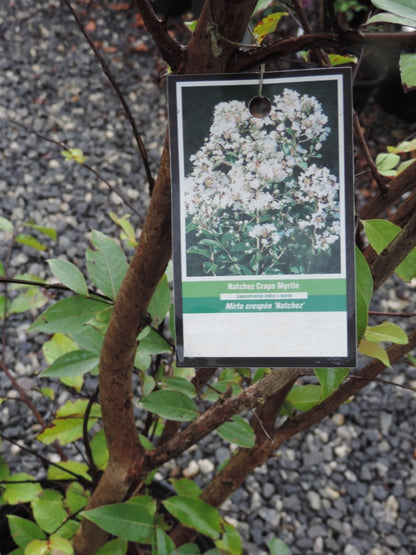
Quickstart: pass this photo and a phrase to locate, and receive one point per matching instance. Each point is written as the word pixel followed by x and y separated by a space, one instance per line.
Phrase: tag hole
pixel 260 107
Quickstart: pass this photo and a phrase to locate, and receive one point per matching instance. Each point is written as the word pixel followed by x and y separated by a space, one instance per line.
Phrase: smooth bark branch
pixel 171 51
pixel 402 183
pixel 220 412
pixel 244 60
pixel 394 253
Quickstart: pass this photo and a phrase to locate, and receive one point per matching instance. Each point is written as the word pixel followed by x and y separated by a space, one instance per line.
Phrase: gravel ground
pixel 348 486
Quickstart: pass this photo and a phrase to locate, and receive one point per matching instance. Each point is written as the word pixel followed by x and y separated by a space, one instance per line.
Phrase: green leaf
pixel 24 490
pixel 195 514
pixel 160 302
pixel 68 315
pixel 152 343
pixel 128 521
pixel 107 265
pixel 88 339
pixel 330 379
pixel 304 397
pixel 31 297
pixel 74 154
pixel 37 547
pixel 364 291
pixel 128 234
pixel 76 497
pixel 48 231
pixel 237 431
pixel 23 531
pixel 400 12
pixel 6 225
pixel 75 467
pixel 230 541
pixel 404 146
pixel 191 24
pixel 187 549
pixel 99 450
pixel 114 547
pixel 69 275
pixel 179 384
pixel 186 487
pixel 408 70
pixel 338 59
pixel 387 331
pixel 30 241
pixel 48 510
pixel 374 350
pixel 71 364
pixel 386 162
pixel 172 405
pixel 278 547
pixel 380 234
pixel 267 25
pixel 2 271
pixel 262 5
pixel 65 430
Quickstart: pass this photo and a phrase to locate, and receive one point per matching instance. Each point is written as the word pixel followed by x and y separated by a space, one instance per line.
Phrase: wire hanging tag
pixel 260 105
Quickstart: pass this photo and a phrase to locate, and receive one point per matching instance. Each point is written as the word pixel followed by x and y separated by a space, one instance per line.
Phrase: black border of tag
pixel 259 361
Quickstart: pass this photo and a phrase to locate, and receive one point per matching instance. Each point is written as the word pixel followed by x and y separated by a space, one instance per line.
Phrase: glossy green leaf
pixel 67 315
pixel 305 397
pixel 30 241
pixel 387 331
pixel 179 384
pixel 374 350
pixel 173 405
pixel 128 521
pixel 37 547
pixel 408 70
pixel 267 25
pixel 6 225
pixel 69 275
pixel 74 467
pixel 114 547
pixel 195 514
pixel 278 547
pixel 381 233
pixel 107 265
pixel 160 302
pixel 24 531
pixel 237 431
pixel 31 297
pixel 71 364
pixel 330 379
pixel 186 487
pixel 187 549
pixel 48 510
pixel 21 488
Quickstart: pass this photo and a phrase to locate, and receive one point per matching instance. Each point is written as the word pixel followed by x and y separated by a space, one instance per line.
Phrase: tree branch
pixel 171 51
pixel 219 413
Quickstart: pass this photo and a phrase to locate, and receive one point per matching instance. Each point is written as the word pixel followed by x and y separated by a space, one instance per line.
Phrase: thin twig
pixel 81 479
pixel 63 146
pixel 101 297
pixel 120 95
pixel 95 474
pixel 364 147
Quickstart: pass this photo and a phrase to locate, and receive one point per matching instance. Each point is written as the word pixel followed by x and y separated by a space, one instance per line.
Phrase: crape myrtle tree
pixel 116 501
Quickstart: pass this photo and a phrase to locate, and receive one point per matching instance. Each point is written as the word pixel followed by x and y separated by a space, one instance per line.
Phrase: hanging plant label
pixel 262 187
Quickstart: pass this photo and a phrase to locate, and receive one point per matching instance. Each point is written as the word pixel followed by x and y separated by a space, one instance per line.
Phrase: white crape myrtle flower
pixel 257 191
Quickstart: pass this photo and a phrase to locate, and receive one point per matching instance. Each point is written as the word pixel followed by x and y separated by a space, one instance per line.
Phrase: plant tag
pixel 263 219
